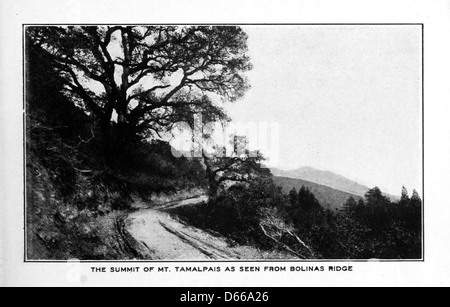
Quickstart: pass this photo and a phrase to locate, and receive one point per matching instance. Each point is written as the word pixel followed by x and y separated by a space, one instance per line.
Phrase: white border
pixel 434 15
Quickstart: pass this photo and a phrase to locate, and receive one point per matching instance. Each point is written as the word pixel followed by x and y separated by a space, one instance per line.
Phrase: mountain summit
pixel 325 178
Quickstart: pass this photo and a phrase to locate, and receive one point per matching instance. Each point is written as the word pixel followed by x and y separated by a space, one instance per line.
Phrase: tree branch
pixel 233 178
pixel 83 68
pixel 86 141
pixel 261 225
pixel 79 89
pixel 146 92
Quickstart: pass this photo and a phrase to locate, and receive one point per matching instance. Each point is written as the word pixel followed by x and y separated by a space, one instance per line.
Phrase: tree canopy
pixel 149 76
pixel 241 165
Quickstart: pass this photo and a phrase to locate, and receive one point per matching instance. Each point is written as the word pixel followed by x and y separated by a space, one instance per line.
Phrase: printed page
pixel 296 144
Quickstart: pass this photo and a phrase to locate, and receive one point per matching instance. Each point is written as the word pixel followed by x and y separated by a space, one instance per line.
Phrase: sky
pixel 345 98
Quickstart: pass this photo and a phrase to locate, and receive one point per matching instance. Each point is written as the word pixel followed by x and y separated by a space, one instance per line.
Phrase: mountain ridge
pixel 328 197
pixel 326 178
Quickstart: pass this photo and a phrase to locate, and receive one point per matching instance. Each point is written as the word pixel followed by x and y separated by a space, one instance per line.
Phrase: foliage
pixel 375 228
pixel 240 166
pixel 238 211
pixel 299 224
pixel 304 209
pixel 73 194
pixel 129 71
pixel 72 181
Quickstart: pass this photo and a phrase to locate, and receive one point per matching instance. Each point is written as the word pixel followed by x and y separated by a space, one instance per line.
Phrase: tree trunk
pixel 105 126
pixel 212 182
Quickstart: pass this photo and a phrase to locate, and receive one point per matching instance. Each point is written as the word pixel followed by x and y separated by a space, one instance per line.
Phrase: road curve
pixel 159 236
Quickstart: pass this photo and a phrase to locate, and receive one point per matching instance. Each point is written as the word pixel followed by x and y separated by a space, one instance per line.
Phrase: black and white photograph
pixel 224 148
pixel 223 142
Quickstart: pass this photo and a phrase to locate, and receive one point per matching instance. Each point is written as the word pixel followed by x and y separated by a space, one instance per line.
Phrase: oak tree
pixel 145 78
pixel 239 166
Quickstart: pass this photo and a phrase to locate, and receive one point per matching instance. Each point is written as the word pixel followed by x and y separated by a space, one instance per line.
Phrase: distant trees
pixel 293 197
pixel 304 209
pixel 149 76
pixel 306 200
pixel 350 205
pixel 393 229
pixel 404 198
pixel 373 227
pixel 375 200
pixel 303 199
pixel 415 200
pixel 410 211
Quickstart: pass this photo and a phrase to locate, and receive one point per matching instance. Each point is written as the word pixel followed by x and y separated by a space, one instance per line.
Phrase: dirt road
pixel 157 235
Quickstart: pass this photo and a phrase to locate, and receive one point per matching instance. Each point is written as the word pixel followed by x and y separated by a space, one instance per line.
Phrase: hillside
pixel 326 178
pixel 74 192
pixel 328 197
